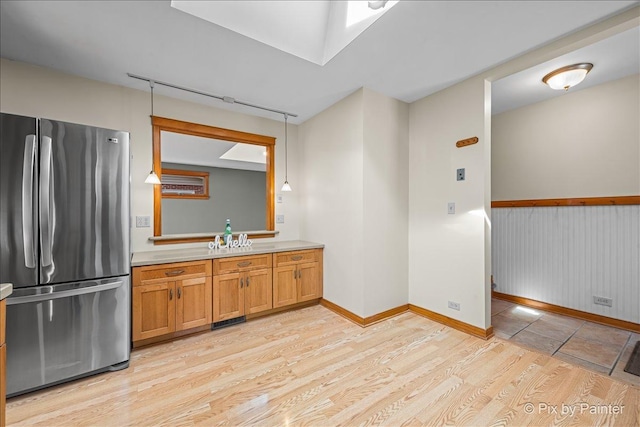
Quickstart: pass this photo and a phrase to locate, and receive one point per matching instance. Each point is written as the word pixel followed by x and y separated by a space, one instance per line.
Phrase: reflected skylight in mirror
pixel 194 150
pixel 246 153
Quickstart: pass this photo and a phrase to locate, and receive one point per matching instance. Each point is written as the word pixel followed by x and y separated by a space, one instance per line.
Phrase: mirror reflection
pixel 209 175
pixel 233 173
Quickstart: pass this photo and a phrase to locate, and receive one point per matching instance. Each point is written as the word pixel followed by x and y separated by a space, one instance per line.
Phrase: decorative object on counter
pixel 153 177
pixel 228 236
pixel 242 242
pixel 286 186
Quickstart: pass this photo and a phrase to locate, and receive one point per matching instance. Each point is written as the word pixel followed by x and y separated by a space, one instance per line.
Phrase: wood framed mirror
pixel 211 218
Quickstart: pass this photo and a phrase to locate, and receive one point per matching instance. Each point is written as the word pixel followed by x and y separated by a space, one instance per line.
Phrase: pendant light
pixel 152 178
pixel 285 186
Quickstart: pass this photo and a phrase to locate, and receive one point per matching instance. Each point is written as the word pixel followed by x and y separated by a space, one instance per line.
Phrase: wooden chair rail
pixel 583 201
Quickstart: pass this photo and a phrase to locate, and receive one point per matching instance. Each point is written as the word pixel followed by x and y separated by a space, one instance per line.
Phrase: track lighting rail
pixel 226 99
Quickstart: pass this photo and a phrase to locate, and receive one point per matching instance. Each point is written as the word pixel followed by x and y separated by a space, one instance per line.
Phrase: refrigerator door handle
pixel 28 170
pixel 45 199
pixel 63 294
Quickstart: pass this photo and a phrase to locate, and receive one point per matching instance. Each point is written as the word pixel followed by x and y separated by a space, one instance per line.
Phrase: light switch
pixel 280 219
pixel 143 221
pixel 279 198
pixel 451 208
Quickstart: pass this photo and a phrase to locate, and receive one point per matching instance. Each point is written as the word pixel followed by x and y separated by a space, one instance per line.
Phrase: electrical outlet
pixel 454 305
pixel 460 174
pixel 280 219
pixel 143 221
pixel 603 301
pixel 451 208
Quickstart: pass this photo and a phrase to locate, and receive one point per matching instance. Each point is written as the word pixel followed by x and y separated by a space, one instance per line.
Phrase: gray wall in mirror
pixel 235 194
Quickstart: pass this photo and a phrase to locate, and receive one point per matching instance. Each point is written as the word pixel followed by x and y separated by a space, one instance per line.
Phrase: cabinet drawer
pixel 177 270
pixel 241 263
pixel 3 320
pixel 295 257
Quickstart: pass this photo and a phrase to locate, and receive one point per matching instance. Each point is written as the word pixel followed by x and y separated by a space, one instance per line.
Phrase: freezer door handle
pixel 62 294
pixel 28 171
pixel 45 199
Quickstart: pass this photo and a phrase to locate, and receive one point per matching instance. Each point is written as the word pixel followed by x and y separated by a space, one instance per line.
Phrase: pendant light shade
pixel 152 178
pixel 566 77
pixel 285 186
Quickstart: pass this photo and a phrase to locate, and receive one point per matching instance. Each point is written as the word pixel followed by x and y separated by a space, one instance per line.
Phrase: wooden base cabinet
pixel 241 285
pixel 3 364
pixel 170 298
pixel 297 277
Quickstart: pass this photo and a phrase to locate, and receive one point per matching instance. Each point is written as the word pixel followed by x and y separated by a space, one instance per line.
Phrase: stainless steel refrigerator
pixel 64 244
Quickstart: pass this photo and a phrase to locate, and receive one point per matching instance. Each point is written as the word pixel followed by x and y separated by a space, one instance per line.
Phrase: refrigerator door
pixel 57 333
pixel 84 202
pixel 18 200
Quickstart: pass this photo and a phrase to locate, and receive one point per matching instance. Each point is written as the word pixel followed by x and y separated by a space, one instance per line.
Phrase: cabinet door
pixel 308 281
pixel 154 311
pixel 3 384
pixel 284 286
pixel 258 291
pixel 193 303
pixel 228 297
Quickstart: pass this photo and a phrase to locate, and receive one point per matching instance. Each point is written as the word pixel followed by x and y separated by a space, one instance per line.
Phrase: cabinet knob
pixel 244 264
pixel 241 283
pixel 247 282
pixel 296 257
pixel 170 294
pixel 179 292
pixel 295 274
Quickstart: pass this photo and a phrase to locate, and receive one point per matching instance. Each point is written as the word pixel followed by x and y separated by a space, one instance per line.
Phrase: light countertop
pixel 193 254
pixel 5 290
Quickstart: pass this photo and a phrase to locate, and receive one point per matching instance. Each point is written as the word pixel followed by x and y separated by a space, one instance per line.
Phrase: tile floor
pixel 596 347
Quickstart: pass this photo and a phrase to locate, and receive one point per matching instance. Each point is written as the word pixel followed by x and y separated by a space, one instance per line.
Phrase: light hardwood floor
pixel 312 367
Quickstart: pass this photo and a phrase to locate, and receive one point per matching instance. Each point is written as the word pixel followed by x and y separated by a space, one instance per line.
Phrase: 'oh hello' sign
pixel 242 242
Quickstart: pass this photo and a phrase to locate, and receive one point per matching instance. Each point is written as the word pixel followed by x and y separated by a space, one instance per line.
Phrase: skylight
pixel 312 30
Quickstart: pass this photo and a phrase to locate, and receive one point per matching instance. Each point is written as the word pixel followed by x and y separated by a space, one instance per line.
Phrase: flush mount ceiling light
pixel 152 178
pixel 566 77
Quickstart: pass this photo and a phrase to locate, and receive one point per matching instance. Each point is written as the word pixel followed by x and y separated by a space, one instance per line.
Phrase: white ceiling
pixel 612 59
pixel 415 49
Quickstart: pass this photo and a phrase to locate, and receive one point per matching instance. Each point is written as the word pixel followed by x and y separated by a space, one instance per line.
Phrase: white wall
pixel 386 202
pixel 449 254
pixel 582 144
pixel 40 92
pixel 331 161
pixel 567 255
pixel 355 199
